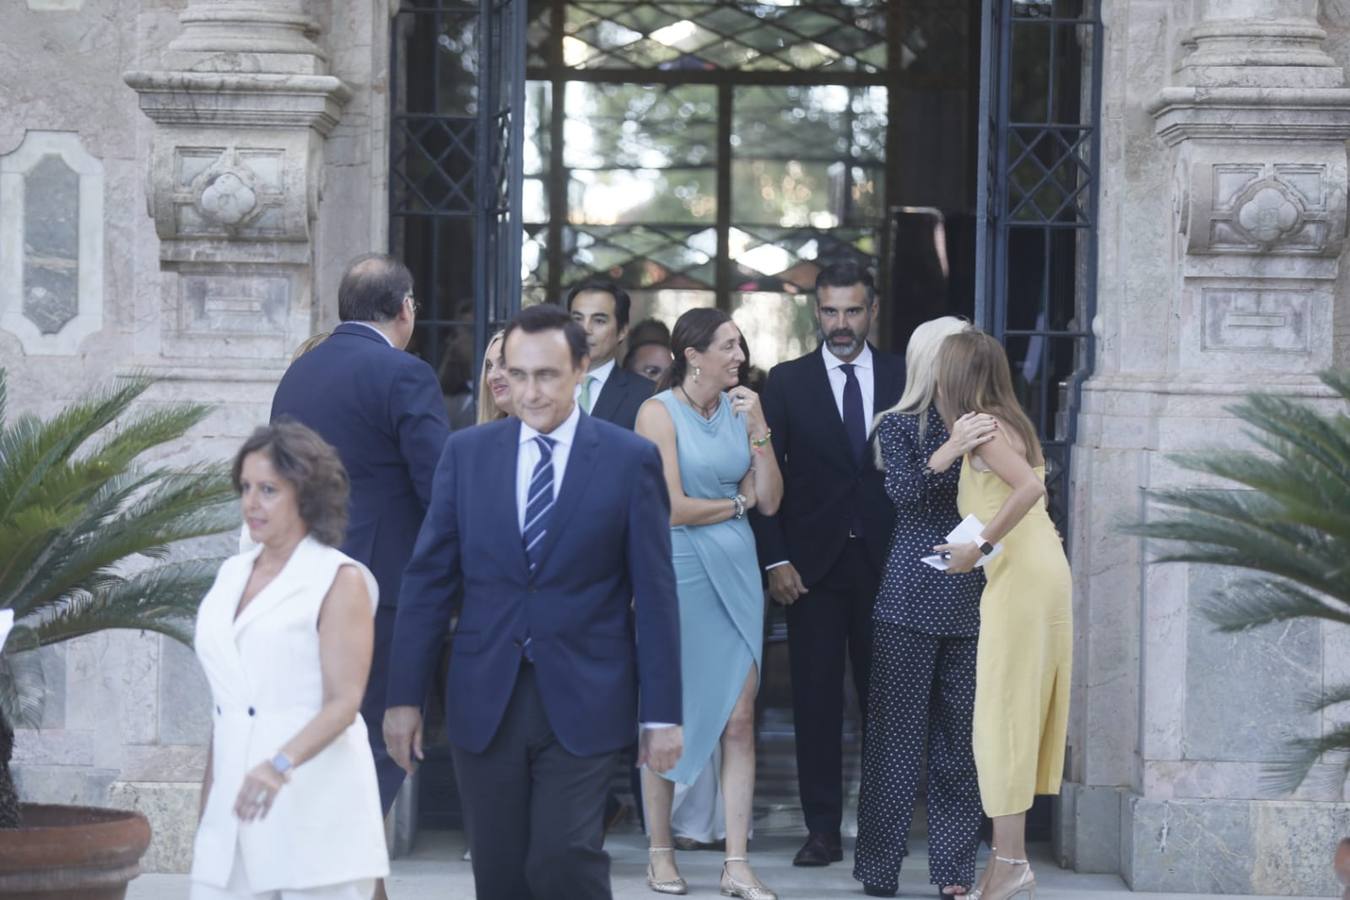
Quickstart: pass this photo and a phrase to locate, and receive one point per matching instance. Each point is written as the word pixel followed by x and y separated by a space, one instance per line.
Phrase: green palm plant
pixel 1288 526
pixel 86 534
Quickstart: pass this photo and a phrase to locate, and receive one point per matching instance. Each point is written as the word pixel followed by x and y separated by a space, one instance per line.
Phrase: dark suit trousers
pixel 832 621
pixel 388 773
pixel 922 684
pixel 534 813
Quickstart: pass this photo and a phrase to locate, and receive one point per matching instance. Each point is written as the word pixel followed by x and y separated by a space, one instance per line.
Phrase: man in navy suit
pixel 826 547
pixel 554 529
pixel 382 410
pixel 607 391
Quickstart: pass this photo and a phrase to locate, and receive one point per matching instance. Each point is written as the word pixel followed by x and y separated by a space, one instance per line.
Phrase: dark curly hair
pixel 312 467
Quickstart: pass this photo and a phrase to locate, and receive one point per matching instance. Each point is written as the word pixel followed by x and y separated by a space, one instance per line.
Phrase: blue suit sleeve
pixel 655 604
pixel 431 583
pixel 421 424
pixel 769 540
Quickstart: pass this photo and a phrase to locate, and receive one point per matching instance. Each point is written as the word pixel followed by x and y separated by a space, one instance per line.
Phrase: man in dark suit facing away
pixel 826 547
pixel 607 391
pixel 382 410
pixel 552 528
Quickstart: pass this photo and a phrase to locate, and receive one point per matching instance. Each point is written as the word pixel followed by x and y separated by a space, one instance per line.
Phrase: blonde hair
pixel 973 376
pixel 921 356
pixel 309 344
pixel 487 407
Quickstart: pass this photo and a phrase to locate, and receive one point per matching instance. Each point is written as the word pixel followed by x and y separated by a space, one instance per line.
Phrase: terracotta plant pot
pixel 72 853
pixel 1342 864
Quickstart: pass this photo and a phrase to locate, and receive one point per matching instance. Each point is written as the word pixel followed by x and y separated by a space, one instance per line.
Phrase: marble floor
pixel 434 870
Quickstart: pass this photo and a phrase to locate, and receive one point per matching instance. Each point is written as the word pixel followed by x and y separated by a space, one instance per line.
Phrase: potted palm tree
pixel 87 535
pixel 1288 526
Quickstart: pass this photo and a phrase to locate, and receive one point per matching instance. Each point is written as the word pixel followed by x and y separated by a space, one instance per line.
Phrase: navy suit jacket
pixel 823 484
pixel 600 610
pixel 382 409
pixel 621 396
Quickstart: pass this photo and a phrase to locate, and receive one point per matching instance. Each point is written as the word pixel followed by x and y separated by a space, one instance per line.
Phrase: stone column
pixel 1174 722
pixel 241 106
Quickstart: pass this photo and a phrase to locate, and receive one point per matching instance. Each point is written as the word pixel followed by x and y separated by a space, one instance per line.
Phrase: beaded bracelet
pixel 760 442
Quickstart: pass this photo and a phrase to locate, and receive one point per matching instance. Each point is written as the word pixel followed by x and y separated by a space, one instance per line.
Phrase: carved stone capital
pixel 1266 43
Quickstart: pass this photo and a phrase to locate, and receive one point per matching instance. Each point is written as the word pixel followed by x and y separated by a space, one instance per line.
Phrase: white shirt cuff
pixel 781 562
pixel 648 726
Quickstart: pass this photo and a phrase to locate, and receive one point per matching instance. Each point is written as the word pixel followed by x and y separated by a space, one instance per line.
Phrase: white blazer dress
pixel 325 826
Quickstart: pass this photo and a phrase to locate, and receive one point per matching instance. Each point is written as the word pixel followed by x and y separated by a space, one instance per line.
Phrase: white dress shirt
pixel 862 370
pixel 528 458
pixel 598 377
pixel 384 337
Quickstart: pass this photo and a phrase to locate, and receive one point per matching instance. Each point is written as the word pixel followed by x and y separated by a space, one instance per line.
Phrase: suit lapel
pixel 275 590
pixel 506 457
pixel 580 464
pixel 610 396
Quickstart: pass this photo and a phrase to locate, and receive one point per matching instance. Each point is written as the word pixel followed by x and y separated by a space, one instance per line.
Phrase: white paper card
pixel 965 533
pixel 6 623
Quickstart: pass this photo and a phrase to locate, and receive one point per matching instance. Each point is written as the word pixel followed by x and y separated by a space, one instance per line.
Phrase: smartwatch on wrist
pixel 985 547
pixel 282 763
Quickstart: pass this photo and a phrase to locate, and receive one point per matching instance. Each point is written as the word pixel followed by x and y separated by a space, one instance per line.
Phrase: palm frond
pixel 1251 603
pixel 162 599
pixel 80 512
pixel 1286 774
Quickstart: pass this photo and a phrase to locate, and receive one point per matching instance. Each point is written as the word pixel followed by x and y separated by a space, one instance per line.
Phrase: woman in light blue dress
pixel 719 464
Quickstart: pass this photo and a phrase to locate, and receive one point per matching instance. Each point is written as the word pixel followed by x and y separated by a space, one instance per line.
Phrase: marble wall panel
pixel 184 698
pixel 1243 690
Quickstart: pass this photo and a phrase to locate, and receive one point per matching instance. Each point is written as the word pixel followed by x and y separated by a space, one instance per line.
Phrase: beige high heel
pixel 733 888
pixel 1024 884
pixel 676 885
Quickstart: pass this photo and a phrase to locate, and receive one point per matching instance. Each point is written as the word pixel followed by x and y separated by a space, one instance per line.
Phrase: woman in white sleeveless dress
pixel 290 804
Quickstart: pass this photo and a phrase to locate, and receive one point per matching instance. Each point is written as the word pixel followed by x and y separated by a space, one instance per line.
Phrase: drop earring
pixel 697 372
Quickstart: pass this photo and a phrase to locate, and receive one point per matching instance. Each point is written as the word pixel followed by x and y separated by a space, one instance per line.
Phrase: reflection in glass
pixel 776 326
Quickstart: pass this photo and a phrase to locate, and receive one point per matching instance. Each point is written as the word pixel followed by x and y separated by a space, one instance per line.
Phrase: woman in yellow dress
pixel 1026 625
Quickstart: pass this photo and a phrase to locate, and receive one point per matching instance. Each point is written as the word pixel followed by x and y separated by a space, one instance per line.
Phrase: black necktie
pixel 854 422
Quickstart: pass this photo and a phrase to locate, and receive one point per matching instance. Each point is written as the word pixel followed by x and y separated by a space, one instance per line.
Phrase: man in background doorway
pixel 607 391
pixel 825 549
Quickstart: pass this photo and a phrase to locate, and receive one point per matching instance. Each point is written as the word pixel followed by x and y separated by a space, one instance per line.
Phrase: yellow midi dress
pixel 1024 654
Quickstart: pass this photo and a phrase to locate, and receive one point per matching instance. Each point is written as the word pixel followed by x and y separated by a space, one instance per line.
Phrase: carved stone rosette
pixel 1258 128
pixel 241 113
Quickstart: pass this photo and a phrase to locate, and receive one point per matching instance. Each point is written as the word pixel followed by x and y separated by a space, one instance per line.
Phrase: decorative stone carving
pixel 51 243
pixel 1235 206
pixel 241 109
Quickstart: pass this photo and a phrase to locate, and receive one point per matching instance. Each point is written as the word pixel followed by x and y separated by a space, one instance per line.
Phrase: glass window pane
pixel 777 326
pixel 642 195
pixel 795 150
pixel 726 34
pixel 637 125
pixel 645 257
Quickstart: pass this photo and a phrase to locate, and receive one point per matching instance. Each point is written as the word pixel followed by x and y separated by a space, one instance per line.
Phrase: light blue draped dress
pixel 717 578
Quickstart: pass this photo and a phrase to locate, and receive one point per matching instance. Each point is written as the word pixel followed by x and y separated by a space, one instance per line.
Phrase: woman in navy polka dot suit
pixel 926 625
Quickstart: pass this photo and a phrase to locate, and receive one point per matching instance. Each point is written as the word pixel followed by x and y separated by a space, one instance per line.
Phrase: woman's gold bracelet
pixel 760 442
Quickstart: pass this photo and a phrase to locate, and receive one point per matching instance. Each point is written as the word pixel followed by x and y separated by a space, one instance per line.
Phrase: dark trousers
pixel 387 772
pixel 534 813
pixel 831 621
pixel 921 684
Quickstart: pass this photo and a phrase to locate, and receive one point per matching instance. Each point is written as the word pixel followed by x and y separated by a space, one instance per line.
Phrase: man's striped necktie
pixel 539 501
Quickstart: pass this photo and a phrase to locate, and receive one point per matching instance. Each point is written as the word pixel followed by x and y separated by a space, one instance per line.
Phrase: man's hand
pixel 403 735
pixel 659 749
pixel 785 585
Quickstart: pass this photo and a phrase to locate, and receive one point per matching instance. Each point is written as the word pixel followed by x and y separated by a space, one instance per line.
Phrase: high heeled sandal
pixel 733 888
pixel 676 885
pixel 1024 884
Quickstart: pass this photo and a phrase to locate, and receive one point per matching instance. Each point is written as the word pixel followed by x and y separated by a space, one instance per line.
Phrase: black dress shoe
pixel 819 850
pixel 874 891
